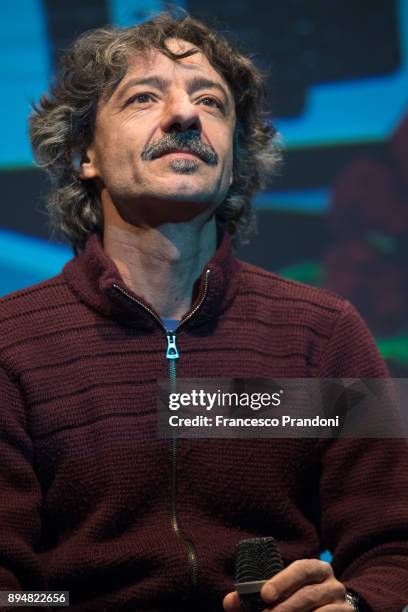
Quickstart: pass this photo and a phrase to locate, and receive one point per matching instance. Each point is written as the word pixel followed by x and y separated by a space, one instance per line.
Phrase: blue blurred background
pixel 337 215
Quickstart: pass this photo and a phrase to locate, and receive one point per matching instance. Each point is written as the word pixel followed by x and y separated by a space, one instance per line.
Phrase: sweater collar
pixel 92 276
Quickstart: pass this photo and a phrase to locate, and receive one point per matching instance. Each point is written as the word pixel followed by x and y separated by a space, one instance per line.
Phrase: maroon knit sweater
pixel 86 485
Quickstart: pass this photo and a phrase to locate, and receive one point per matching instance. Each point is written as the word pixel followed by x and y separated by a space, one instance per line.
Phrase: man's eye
pixel 211 102
pixel 141 98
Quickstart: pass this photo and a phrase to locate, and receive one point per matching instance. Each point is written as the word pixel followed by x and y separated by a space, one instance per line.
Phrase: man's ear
pixel 87 168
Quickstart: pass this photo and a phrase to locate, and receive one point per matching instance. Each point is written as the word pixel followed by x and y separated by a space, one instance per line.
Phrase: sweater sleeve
pixel 20 495
pixel 364 486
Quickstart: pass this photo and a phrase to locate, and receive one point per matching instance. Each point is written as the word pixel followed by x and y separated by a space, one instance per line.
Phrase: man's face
pixel 163 142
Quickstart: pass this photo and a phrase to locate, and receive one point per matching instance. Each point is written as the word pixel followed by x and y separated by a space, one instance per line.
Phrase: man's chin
pixel 184 189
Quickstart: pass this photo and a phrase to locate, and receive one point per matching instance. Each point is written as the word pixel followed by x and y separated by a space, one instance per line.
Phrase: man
pixel 155 139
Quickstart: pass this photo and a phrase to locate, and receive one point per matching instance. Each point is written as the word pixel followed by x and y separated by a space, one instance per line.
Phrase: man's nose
pixel 180 114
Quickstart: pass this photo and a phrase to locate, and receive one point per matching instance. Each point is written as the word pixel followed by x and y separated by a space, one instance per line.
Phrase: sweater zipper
pixel 172 355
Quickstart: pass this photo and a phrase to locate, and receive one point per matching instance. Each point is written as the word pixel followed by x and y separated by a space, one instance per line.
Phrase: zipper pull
pixel 172 352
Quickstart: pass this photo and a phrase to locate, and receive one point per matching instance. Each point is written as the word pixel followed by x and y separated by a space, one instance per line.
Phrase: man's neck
pixel 161 264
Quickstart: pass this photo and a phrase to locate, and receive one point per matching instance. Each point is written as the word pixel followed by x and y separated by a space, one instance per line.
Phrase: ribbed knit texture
pixel 86 484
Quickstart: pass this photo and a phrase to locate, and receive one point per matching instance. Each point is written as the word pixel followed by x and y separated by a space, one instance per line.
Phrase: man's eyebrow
pixel 197 83
pixel 193 85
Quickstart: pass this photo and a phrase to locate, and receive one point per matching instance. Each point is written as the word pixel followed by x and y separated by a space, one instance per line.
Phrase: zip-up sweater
pixel 93 502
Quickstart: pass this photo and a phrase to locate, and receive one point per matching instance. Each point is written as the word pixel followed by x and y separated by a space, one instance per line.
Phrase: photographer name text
pixel 280 421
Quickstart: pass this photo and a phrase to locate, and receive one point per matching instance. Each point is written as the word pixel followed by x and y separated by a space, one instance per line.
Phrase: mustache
pixel 188 141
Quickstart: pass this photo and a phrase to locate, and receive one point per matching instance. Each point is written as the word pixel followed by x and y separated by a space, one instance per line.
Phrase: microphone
pixel 256 561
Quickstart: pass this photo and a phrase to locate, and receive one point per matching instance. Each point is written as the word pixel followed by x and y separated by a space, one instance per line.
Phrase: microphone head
pixel 257 559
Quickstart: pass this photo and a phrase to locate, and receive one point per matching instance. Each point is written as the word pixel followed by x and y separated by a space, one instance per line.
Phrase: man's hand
pixel 304 586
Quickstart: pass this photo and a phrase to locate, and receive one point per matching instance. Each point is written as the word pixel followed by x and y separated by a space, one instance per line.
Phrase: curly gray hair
pixel 62 124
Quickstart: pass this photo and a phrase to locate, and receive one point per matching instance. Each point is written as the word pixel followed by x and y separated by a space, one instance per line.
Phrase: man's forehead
pixel 151 59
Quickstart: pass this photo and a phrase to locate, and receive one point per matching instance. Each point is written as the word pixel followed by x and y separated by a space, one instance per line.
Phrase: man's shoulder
pixel 22 309
pixel 40 294
pixel 286 293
